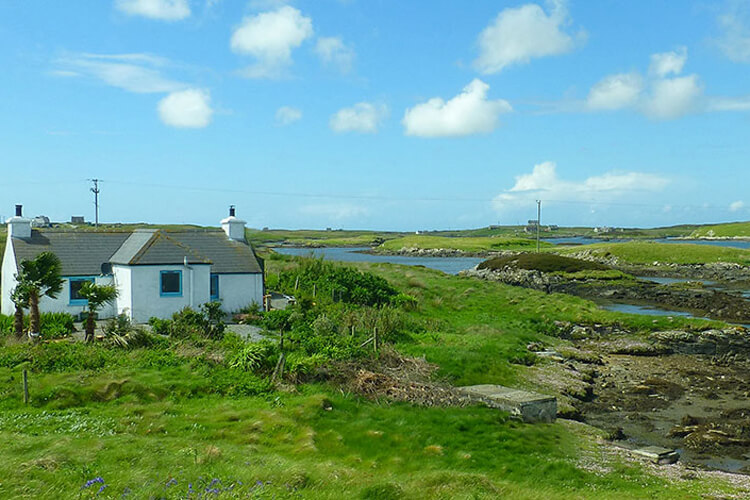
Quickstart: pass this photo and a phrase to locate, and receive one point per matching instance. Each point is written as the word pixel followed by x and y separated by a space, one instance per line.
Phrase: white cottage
pixel 157 272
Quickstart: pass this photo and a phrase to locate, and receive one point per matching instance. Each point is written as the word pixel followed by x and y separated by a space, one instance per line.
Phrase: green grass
pixel 647 252
pixel 730 230
pixel 544 262
pixel 305 237
pixel 152 421
pixel 466 244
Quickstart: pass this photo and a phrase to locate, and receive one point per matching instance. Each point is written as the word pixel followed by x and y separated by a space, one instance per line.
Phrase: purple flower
pixel 92 482
pixel 171 482
pixel 101 489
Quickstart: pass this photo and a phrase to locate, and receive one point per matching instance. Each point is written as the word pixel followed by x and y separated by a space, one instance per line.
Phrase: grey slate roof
pixel 153 247
pixel 83 253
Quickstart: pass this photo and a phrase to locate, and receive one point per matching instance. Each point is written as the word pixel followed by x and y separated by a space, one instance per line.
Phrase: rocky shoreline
pixel 679 389
pixel 695 298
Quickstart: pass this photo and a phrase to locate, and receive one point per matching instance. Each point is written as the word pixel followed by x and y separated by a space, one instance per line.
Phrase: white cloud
pixel 734 41
pixel 519 34
pixel 729 104
pixel 544 183
pixel 736 206
pixel 270 37
pixel 661 96
pixel 334 211
pixel 286 115
pixel 673 97
pixel 668 63
pixel 615 92
pixel 470 112
pixel 363 117
pixel 189 108
pixel 164 10
pixel 139 73
pixel 333 51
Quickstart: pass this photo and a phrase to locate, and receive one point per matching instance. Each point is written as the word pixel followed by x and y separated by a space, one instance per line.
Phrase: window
pixel 75 291
pixel 171 283
pixel 214 287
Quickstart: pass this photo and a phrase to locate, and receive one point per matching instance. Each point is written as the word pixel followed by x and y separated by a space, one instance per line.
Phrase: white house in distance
pixel 157 272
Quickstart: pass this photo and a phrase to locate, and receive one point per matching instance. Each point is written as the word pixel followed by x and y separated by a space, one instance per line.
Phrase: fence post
pixel 25 387
pixel 352 330
pixel 375 339
pixel 296 283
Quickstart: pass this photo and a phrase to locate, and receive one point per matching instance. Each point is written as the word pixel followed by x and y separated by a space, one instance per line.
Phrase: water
pixel 669 281
pixel 448 265
pixel 647 310
pixel 585 240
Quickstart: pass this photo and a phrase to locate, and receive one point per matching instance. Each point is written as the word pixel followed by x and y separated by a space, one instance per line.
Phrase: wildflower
pixel 171 482
pixel 92 482
pixel 101 489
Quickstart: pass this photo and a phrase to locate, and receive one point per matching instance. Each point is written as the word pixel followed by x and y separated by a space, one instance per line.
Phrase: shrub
pixel 186 323
pixel 53 325
pixel 255 356
pixel 339 283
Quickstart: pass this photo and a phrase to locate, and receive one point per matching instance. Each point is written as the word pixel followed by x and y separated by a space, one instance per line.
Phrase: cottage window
pixel 75 291
pixel 171 283
pixel 214 287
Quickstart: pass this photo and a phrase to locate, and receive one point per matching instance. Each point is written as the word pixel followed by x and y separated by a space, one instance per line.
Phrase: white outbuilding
pixel 157 272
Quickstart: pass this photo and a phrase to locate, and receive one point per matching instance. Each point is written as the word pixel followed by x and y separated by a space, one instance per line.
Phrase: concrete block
pixel 528 406
pixel 657 454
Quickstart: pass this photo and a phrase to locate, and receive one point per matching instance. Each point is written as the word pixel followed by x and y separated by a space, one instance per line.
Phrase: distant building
pixel 40 221
pixel 77 219
pixel 603 230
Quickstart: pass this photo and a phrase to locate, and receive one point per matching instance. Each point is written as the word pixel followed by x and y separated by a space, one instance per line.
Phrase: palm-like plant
pixel 97 296
pixel 20 298
pixel 39 277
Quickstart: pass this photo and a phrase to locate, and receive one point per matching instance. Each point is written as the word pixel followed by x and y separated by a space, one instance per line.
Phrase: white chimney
pixel 18 227
pixel 234 227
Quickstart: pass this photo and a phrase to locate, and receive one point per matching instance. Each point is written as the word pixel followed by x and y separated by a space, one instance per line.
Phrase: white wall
pixel 8 279
pixel 145 285
pixel 124 301
pixel 239 290
pixel 62 302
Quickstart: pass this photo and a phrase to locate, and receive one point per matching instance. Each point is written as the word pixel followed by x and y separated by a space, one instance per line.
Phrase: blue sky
pixel 377 114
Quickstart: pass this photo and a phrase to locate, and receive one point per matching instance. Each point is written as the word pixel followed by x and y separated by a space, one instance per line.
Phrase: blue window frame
pixel 75 298
pixel 170 283
pixel 214 287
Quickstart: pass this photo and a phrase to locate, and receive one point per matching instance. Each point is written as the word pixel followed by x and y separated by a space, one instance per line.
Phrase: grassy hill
pixel 730 230
pixel 466 244
pixel 647 252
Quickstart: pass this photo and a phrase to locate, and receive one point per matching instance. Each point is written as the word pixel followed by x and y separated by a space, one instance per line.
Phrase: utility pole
pixel 538 222
pixel 95 190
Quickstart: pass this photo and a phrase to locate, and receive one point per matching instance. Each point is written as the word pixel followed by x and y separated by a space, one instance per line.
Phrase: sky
pixel 377 114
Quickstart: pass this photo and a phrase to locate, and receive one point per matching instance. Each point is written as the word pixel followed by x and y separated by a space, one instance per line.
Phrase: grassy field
pixel 304 237
pixel 172 419
pixel 730 230
pixel 647 252
pixel 466 244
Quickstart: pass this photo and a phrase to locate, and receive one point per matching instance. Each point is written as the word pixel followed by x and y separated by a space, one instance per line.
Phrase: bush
pixel 255 357
pixel 336 282
pixel 187 323
pixel 53 325
pixel 544 262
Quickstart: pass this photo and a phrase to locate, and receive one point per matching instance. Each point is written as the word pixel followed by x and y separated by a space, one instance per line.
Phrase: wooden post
pixel 25 387
pixel 352 330
pixel 375 339
pixel 314 289
pixel 296 283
